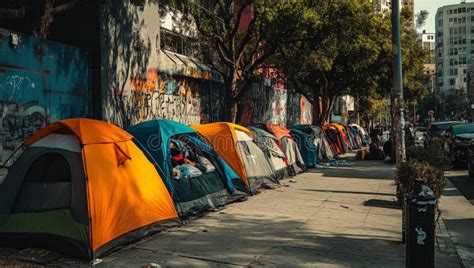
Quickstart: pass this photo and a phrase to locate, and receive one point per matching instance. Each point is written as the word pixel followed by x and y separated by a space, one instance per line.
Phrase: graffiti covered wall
pixel 141 82
pixel 40 82
pixel 264 104
pixel 158 95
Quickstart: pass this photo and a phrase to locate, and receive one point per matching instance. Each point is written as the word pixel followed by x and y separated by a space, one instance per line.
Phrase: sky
pixel 432 6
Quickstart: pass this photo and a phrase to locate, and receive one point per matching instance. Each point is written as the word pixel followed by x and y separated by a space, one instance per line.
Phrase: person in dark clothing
pixel 387 147
pixel 374 151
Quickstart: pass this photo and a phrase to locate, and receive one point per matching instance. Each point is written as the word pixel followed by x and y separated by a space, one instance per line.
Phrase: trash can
pixel 421 203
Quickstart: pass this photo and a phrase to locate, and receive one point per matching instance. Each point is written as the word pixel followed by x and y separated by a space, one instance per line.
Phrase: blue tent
pixel 306 145
pixel 194 192
pixel 318 135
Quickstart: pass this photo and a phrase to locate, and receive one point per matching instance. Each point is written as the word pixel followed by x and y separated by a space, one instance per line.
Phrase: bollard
pixel 421 203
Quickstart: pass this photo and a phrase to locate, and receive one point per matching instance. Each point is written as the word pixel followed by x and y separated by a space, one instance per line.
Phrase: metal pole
pixel 397 83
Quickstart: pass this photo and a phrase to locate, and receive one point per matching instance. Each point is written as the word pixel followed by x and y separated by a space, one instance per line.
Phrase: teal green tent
pixel 318 136
pixel 307 147
pixel 207 182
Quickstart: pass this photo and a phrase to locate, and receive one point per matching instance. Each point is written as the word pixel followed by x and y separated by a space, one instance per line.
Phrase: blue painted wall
pixel 40 82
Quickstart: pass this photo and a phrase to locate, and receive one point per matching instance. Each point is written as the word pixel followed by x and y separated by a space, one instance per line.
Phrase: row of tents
pixel 84 187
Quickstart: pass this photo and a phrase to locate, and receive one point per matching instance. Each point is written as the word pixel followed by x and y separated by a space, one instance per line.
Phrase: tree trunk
pixel 324 115
pixel 230 86
pixel 329 109
pixel 227 109
pixel 316 107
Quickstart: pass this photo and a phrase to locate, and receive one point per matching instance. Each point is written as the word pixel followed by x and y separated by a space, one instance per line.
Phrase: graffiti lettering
pixel 18 124
pixel 15 83
pixel 159 95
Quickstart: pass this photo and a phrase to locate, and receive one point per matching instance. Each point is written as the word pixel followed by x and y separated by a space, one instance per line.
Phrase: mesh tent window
pixel 46 186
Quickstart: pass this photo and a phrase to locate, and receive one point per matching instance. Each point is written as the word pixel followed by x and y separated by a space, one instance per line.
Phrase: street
pixel 463 182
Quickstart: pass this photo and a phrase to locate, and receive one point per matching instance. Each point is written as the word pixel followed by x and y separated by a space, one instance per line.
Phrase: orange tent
pixel 117 195
pixel 333 138
pixel 278 131
pixel 342 130
pixel 234 143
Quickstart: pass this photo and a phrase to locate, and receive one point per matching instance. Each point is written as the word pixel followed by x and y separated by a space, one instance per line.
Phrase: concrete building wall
pixel 141 80
pixel 454 46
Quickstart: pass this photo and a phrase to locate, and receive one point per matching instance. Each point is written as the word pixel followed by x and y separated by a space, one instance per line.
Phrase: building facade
pixel 454 46
pixel 428 42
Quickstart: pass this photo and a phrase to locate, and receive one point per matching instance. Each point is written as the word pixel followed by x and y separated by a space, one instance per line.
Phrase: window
pixel 46 186
pixel 452 82
pixel 465 80
pixel 178 43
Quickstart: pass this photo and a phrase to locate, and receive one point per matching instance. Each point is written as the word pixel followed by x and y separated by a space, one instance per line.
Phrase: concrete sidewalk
pixel 343 216
pixel 458 216
pixel 333 217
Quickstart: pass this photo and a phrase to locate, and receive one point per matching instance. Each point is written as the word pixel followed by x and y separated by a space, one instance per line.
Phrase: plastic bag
pixel 188 171
pixel 205 165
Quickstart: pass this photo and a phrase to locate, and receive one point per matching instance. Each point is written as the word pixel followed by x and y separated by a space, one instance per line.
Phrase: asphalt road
pixel 463 182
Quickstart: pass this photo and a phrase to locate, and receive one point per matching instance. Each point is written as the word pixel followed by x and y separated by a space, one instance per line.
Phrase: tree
pixel 238 38
pixel 338 53
pixel 421 18
pixel 43 12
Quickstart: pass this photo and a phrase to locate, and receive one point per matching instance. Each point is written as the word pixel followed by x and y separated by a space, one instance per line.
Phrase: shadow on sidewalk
pixel 359 170
pixel 259 240
pixel 382 203
pixel 348 192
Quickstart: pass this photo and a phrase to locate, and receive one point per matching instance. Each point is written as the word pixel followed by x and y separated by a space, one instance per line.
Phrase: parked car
pixel 457 141
pixel 436 130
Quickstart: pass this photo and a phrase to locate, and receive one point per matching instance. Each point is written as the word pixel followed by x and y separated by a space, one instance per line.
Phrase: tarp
pixel 124 196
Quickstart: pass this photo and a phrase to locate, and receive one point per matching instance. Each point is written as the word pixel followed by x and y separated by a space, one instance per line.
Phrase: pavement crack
pixel 187 256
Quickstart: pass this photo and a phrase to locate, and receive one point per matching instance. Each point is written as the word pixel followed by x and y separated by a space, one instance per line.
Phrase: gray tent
pixel 269 144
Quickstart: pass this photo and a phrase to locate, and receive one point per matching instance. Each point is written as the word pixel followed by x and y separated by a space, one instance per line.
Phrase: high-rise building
pixel 385 6
pixel 382 6
pixel 454 46
pixel 428 42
